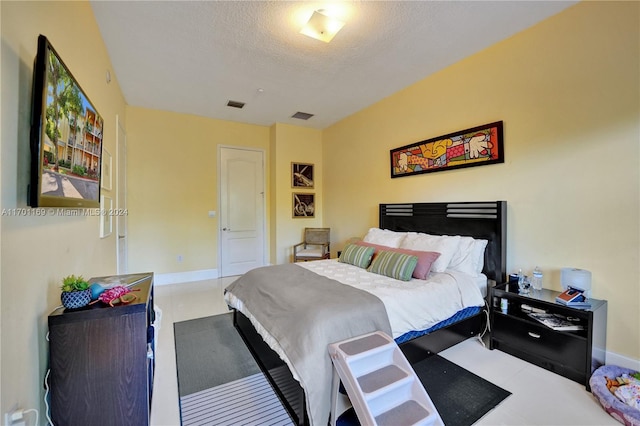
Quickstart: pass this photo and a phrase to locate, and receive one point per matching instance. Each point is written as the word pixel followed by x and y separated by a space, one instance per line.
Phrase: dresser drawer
pixel 561 347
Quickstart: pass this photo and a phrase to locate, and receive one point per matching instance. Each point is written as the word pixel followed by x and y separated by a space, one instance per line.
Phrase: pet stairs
pixel 382 387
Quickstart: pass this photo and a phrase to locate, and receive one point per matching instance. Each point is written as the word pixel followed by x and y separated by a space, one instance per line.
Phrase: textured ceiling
pixel 194 56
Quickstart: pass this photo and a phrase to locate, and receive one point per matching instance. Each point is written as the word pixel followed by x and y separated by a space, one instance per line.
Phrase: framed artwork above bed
pixel 477 146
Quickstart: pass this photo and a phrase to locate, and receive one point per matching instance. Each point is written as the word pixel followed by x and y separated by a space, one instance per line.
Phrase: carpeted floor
pixel 211 357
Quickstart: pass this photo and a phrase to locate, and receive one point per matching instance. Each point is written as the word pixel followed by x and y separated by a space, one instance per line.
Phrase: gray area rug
pixel 211 353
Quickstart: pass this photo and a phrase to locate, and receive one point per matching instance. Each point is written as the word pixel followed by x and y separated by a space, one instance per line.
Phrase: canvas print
pixel 301 175
pixel 304 205
pixel 476 146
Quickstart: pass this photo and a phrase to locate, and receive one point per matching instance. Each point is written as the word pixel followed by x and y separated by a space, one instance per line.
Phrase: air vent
pixel 302 115
pixel 235 104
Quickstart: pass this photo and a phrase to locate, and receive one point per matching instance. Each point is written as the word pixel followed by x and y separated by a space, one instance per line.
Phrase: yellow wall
pixel 301 145
pixel 172 178
pixel 172 184
pixel 568 93
pixel 38 251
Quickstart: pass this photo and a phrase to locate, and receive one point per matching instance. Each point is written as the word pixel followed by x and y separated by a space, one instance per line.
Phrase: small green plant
pixel 73 283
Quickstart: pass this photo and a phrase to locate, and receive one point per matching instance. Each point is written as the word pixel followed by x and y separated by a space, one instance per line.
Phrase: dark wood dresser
pixel 101 359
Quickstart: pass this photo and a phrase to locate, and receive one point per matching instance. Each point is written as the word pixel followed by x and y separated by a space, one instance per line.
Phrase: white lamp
pixel 579 279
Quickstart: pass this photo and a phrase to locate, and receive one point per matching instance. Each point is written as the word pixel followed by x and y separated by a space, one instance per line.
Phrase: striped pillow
pixel 356 255
pixel 425 258
pixel 393 264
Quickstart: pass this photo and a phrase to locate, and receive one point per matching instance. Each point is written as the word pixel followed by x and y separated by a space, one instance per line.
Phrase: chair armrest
pixel 295 247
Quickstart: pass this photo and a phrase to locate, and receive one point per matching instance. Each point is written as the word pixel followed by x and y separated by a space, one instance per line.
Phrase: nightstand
pixel 572 354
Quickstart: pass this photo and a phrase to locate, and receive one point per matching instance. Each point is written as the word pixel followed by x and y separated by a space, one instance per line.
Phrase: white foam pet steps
pixel 382 387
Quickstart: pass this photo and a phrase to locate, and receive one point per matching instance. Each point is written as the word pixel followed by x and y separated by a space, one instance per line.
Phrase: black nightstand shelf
pixel 573 354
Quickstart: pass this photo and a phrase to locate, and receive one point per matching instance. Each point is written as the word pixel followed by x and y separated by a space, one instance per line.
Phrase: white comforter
pixel 411 305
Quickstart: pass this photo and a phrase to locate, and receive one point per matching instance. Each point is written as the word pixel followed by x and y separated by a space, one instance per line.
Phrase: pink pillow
pixel 425 258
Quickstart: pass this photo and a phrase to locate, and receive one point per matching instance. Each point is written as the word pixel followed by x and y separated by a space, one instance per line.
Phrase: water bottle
pixel 536 280
pixel 523 284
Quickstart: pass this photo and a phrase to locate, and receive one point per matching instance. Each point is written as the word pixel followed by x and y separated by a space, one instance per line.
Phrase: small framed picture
pixel 304 205
pixel 106 170
pixel 106 205
pixel 301 175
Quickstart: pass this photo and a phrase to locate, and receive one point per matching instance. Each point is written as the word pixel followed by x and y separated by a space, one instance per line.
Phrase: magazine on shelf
pixel 556 321
pixel 582 305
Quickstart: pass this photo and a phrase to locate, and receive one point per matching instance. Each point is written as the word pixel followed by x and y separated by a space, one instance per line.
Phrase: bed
pixel 277 354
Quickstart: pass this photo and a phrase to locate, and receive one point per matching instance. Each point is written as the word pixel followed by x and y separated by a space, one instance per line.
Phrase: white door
pixel 242 210
pixel 121 203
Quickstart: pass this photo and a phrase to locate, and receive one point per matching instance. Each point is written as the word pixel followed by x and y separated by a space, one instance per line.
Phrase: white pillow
pixel 384 237
pixel 469 258
pixel 443 244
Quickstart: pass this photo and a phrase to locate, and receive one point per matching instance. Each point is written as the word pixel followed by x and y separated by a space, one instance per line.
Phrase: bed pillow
pixel 384 237
pixel 393 264
pixel 356 255
pixel 443 244
pixel 469 257
pixel 425 258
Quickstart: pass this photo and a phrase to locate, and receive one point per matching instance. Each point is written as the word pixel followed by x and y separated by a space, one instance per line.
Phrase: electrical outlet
pixel 180 258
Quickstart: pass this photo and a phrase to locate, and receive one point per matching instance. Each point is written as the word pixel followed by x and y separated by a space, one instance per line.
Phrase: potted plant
pixel 75 292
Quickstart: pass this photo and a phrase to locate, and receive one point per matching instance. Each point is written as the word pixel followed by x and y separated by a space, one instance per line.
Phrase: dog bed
pixel 619 410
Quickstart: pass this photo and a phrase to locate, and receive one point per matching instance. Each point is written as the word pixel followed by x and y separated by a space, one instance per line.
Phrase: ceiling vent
pixel 302 115
pixel 235 104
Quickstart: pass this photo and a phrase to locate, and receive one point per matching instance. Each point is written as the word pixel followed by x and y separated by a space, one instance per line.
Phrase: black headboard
pixel 485 220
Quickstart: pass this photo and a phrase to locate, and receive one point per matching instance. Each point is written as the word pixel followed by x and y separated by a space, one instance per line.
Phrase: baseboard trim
pixel 622 361
pixel 184 277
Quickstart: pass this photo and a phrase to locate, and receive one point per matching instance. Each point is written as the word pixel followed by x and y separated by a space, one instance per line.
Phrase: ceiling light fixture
pixel 322 26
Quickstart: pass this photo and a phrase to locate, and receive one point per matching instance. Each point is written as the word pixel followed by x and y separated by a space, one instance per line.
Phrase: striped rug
pixel 246 401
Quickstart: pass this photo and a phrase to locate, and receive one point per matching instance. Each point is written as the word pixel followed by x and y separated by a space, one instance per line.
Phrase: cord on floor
pixel 487 325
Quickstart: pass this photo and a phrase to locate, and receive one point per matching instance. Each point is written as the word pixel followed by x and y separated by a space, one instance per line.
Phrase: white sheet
pixel 411 305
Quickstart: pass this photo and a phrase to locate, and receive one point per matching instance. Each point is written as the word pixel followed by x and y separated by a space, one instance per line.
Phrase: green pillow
pixel 356 255
pixel 393 264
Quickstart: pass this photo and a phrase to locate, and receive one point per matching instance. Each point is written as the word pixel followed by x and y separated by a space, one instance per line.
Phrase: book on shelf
pixel 556 321
pixel 573 297
pixel 580 305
